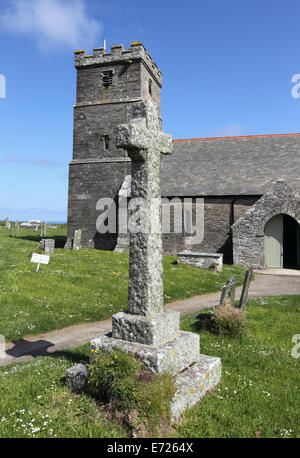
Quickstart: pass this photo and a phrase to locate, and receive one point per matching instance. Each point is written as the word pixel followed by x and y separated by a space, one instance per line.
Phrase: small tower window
pixel 107 78
pixel 105 139
pixel 150 87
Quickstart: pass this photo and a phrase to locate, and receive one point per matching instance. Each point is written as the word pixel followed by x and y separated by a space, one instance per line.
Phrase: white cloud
pixel 232 130
pixel 52 23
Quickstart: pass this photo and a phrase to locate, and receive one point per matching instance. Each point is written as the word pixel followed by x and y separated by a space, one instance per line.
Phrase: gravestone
pixel 148 331
pixel 228 292
pixel 6 223
pixel 17 228
pixel 45 229
pixel 245 290
pixel 69 244
pixel 48 245
pixel 11 233
pixel 77 240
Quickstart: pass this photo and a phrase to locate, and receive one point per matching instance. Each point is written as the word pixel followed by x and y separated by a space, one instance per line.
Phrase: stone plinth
pixel 146 330
pixel 194 383
pixel 202 260
pixel 172 356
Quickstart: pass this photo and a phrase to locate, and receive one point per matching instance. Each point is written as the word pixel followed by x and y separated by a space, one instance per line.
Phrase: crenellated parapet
pixel 137 51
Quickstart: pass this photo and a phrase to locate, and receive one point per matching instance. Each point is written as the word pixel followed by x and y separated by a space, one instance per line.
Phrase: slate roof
pixel 231 165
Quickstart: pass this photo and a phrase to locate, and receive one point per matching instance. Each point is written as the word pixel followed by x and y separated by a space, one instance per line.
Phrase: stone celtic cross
pixel 145 143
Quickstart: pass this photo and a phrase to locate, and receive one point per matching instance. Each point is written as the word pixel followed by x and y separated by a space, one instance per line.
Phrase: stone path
pixel 45 344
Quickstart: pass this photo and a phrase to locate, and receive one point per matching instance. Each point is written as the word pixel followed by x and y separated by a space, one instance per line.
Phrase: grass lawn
pixel 258 395
pixel 80 286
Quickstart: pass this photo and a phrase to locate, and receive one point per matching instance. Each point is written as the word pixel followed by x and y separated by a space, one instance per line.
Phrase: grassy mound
pixel 128 391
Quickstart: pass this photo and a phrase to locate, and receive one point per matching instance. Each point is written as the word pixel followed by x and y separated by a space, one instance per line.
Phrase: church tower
pixel 107 85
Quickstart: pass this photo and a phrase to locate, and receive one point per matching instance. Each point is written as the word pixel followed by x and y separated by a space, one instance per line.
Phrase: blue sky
pixel 227 68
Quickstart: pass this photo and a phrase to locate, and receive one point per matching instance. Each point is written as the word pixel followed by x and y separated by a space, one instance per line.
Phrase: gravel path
pixel 45 344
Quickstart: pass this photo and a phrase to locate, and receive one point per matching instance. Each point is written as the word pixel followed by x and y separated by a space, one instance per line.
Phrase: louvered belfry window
pixel 107 78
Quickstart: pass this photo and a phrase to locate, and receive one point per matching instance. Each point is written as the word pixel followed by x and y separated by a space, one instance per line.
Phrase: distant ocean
pixel 57 222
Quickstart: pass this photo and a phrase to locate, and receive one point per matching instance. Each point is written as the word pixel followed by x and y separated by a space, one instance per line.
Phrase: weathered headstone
pixel 245 290
pixel 47 245
pixel 77 240
pixel 69 244
pixel 228 292
pixel 6 223
pixel 11 233
pixel 45 229
pixel 147 330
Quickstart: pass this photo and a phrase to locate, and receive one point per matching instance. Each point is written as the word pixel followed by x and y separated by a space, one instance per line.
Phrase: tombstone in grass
pixel 17 228
pixel 228 292
pixel 77 240
pixel 45 229
pixel 11 231
pixel 69 244
pixel 48 245
pixel 147 330
pixel 6 223
pixel 245 290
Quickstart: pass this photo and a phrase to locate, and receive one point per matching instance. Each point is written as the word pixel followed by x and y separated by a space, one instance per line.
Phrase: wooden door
pixel 274 242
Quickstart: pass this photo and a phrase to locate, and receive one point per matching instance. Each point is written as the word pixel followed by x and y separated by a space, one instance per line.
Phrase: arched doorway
pixel 282 242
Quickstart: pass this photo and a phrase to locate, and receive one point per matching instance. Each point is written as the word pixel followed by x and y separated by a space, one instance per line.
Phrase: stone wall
pixel 219 214
pixel 88 182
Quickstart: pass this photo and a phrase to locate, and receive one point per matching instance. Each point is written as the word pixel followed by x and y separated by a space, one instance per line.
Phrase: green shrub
pixel 228 320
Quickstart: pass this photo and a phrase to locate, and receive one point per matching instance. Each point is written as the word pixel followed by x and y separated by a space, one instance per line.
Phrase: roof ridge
pixel 235 137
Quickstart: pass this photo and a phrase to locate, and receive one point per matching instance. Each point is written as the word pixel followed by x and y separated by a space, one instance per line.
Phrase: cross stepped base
pixel 172 356
pixel 194 383
pixel 194 374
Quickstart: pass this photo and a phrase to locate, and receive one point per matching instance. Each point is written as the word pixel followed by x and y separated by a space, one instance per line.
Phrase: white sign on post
pixel 40 259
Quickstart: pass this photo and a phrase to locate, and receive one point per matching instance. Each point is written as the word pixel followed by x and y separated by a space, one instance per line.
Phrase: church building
pixel 249 186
